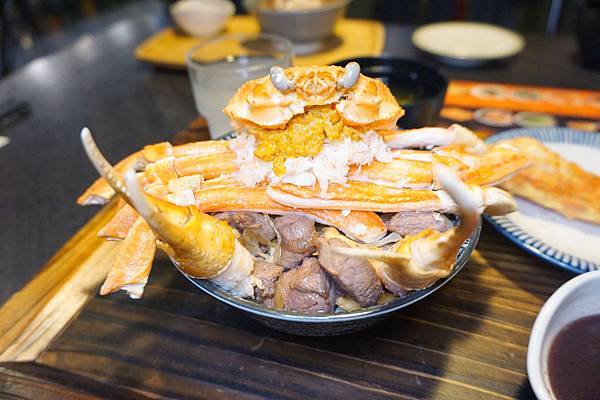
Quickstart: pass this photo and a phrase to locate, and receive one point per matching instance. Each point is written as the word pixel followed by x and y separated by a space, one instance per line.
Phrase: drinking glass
pixel 219 66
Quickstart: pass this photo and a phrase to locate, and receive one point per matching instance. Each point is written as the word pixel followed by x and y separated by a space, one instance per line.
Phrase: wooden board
pixel 356 37
pixel 60 340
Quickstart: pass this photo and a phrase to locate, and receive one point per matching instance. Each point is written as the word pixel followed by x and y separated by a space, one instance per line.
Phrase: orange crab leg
pixel 362 196
pixel 411 170
pixel 399 172
pixel 366 196
pixel 221 196
pixel 119 226
pixel 133 262
pixel 100 192
pixel 208 165
pixel 500 162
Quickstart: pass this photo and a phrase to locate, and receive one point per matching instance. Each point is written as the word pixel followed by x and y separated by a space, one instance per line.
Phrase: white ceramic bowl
pixel 576 299
pixel 201 17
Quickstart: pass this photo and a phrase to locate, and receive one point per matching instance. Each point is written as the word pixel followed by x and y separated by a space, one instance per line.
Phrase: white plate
pixel 467 43
pixel 564 242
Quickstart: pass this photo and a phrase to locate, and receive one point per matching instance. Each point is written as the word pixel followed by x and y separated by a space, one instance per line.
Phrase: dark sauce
pixel 574 360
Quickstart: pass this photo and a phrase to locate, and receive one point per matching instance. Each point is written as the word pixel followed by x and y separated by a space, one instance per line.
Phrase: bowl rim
pixel 398 303
pixel 332 5
pixel 225 12
pixel 191 63
pixel 538 336
pixel 387 57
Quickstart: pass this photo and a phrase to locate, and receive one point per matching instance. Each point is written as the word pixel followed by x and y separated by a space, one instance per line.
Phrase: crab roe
pixel 303 136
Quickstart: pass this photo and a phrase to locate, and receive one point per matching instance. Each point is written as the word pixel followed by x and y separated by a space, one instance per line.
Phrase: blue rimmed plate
pixel 570 244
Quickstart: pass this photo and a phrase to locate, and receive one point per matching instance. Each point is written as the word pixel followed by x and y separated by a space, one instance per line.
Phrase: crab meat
pixel 433 137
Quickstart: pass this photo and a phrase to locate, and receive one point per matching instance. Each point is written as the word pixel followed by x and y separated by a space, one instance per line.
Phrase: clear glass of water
pixel 219 66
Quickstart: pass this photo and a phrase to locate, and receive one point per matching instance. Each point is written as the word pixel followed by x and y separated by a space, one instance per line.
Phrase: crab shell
pixel 368 104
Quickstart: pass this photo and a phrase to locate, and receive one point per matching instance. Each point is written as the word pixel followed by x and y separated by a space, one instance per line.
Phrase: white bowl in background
pixel 578 298
pixel 201 17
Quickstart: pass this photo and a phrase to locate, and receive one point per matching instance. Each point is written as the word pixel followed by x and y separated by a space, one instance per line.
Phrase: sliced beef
pixel 353 276
pixel 297 236
pixel 266 275
pixel 305 289
pixel 413 222
pixel 256 222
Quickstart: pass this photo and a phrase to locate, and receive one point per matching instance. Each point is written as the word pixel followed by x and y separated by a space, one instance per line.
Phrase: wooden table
pixel 467 341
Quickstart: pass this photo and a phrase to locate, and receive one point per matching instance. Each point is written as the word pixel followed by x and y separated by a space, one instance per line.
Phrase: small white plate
pixel 567 243
pixel 467 43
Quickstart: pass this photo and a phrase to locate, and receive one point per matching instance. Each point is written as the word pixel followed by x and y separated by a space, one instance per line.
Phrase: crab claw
pixel 201 245
pixel 419 260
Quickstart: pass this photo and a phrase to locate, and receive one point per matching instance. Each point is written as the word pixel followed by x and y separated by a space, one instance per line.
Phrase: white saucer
pixel 467 43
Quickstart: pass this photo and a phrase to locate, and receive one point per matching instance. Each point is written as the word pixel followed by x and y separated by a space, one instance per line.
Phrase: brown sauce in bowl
pixel 574 360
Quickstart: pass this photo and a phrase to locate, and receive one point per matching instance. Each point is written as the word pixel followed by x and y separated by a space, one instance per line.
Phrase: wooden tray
pixel 58 339
pixel 357 37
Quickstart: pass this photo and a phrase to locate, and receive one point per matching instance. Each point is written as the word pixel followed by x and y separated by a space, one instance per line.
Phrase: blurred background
pixel 33 28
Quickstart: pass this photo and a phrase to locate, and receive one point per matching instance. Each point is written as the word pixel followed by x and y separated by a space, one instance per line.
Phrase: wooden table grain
pixel 58 340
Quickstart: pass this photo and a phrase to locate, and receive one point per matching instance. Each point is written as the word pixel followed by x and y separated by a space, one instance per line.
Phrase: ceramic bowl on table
pixel 201 17
pixel 333 323
pixel 419 88
pixel 308 28
pixel 576 299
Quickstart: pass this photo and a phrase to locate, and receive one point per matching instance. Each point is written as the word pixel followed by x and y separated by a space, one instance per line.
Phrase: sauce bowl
pixel 578 298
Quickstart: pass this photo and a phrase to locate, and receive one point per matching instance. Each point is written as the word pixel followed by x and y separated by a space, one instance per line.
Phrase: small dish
pixel 309 29
pixel 419 88
pixel 564 242
pixel 467 44
pixel 576 299
pixel 201 17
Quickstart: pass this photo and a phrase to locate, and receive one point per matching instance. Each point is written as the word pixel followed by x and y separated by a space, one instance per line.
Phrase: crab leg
pixel 119 226
pixel 404 171
pixel 418 261
pixel 133 262
pixel 400 173
pixel 100 192
pixel 200 245
pixel 500 162
pixel 370 197
pixel 432 137
pixel 217 197
pixel 208 165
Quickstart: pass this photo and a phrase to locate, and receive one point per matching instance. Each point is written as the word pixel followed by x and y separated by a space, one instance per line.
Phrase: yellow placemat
pixel 359 37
